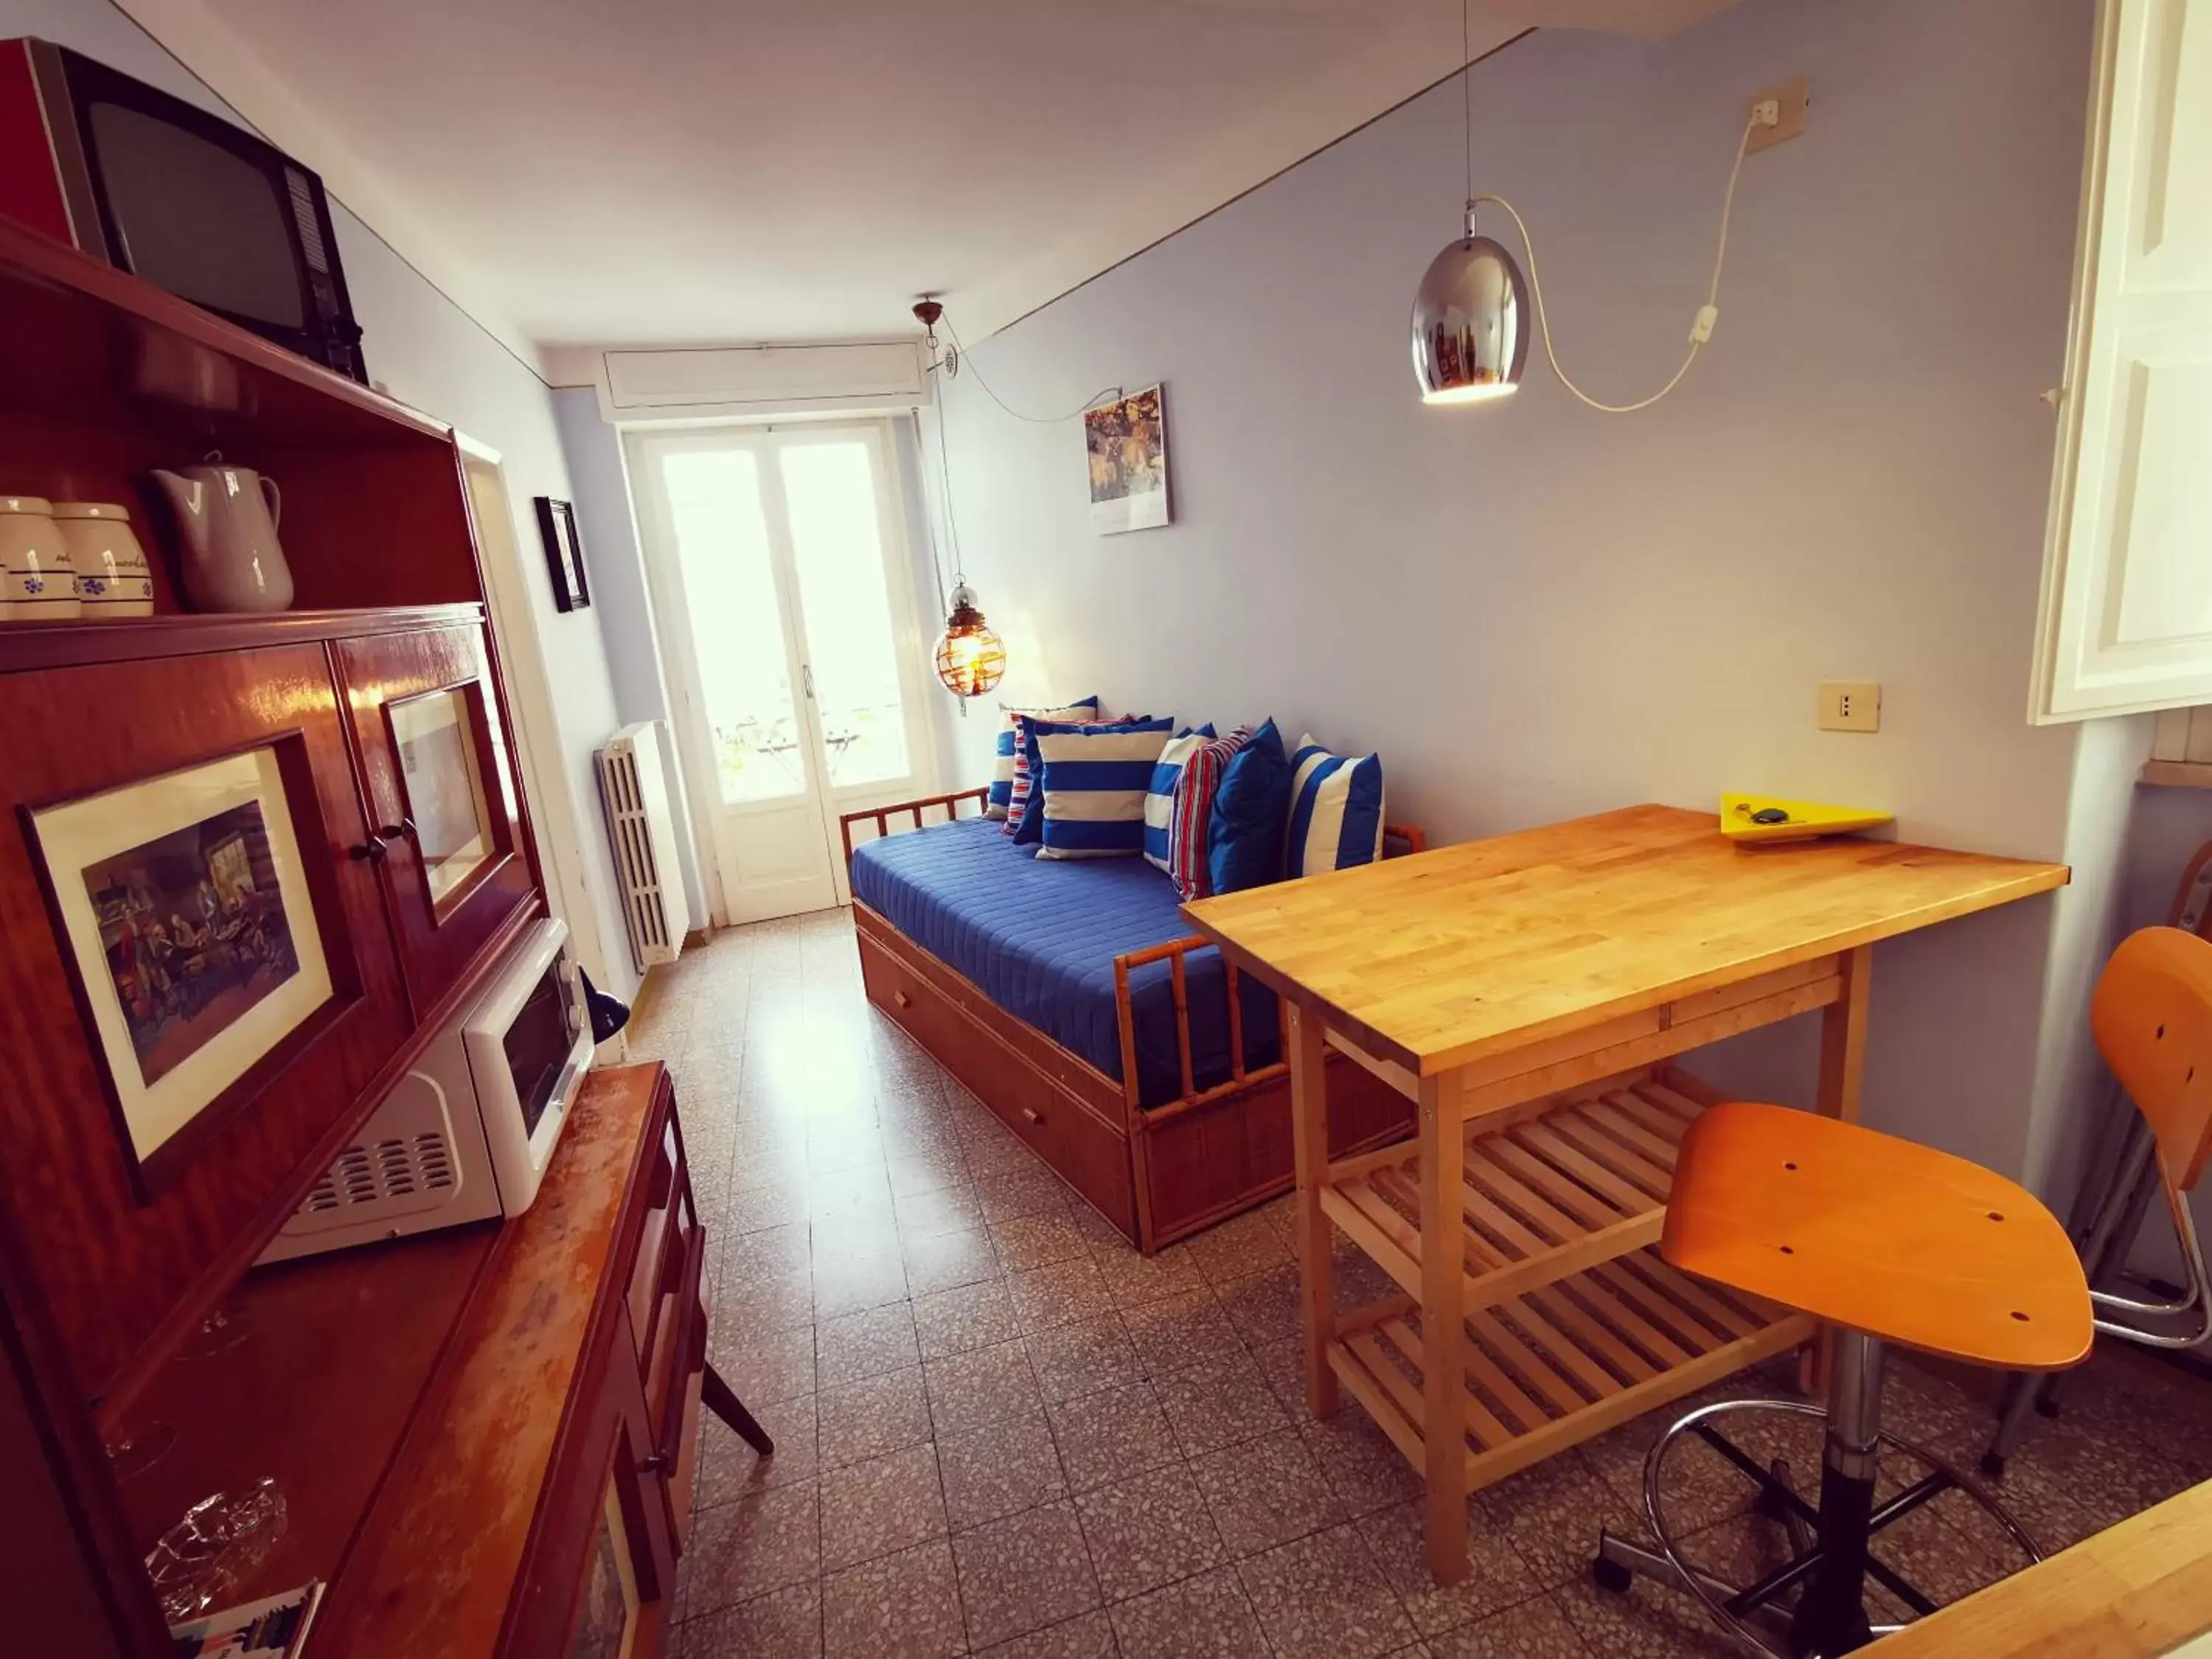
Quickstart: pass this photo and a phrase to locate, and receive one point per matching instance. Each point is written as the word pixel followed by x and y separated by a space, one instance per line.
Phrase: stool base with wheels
pixel 1888 1241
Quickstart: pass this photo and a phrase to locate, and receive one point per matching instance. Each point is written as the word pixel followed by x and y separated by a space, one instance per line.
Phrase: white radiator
pixel 643 831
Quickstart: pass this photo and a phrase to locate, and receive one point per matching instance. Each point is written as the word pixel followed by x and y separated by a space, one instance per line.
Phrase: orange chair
pixel 1888 1242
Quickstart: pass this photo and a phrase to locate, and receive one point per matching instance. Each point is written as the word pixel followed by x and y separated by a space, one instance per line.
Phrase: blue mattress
pixel 1038 937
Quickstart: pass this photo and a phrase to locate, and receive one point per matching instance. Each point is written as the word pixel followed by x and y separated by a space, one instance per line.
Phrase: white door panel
pixel 2127 602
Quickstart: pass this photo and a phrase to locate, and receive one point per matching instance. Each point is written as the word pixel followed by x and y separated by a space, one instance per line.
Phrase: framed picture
pixel 607 1613
pixel 565 554
pixel 189 925
pixel 435 736
pixel 1128 442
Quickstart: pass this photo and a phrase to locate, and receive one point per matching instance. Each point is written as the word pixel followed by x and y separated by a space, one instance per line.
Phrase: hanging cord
pixel 936 548
pixel 1701 328
pixel 968 362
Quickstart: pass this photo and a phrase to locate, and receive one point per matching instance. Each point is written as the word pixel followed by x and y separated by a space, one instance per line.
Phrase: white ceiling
pixel 643 172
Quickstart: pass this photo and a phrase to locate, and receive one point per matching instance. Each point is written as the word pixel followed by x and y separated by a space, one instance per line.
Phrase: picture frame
pixel 196 937
pixel 1126 443
pixel 565 554
pixel 439 740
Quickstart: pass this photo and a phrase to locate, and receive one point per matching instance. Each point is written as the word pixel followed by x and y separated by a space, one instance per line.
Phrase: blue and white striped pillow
pixel 1094 778
pixel 1009 745
pixel 1336 811
pixel 1159 797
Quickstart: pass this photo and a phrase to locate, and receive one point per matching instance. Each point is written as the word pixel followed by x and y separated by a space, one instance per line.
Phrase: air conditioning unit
pixel 635 791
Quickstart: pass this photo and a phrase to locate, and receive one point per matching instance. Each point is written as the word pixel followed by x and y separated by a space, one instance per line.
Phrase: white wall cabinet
pixel 2126 617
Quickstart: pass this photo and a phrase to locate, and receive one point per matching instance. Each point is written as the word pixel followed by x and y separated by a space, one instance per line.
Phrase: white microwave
pixel 467 1133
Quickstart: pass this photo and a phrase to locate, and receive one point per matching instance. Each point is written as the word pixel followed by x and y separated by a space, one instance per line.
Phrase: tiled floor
pixel 1001 1430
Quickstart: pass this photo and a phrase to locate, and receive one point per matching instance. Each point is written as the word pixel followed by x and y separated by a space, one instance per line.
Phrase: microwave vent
pixel 378 1174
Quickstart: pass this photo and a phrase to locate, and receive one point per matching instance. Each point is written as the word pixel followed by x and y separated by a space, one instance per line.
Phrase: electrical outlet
pixel 1792 103
pixel 1850 706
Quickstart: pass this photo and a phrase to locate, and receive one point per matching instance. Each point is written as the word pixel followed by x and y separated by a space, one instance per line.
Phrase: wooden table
pixel 1526 992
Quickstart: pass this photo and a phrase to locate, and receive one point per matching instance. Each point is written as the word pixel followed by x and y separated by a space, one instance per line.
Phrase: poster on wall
pixel 1127 441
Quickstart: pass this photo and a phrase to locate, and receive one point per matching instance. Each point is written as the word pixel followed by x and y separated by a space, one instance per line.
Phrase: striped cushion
pixel 1093 777
pixel 1336 811
pixel 1194 811
pixel 1159 797
pixel 1021 794
pixel 1010 756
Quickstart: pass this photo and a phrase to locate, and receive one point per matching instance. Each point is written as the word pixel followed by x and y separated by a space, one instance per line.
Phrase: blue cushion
pixel 1025 818
pixel 1091 781
pixel 1159 798
pixel 1336 811
pixel 1002 772
pixel 1244 839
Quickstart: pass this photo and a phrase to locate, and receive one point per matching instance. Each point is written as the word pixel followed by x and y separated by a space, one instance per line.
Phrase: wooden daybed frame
pixel 1157 1173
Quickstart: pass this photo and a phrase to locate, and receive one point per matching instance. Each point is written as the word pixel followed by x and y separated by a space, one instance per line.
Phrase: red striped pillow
pixel 1017 795
pixel 1193 812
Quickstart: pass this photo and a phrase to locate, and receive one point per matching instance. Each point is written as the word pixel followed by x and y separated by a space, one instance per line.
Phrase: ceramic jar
pixel 112 579
pixel 37 583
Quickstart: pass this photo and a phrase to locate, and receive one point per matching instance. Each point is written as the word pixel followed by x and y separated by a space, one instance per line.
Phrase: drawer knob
pixel 903 999
pixel 659 1462
pixel 1033 1114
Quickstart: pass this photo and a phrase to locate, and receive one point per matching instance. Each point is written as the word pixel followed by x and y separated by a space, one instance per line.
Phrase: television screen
pixel 196 218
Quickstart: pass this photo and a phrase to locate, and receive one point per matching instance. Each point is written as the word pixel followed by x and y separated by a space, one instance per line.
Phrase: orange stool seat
pixel 1880 1235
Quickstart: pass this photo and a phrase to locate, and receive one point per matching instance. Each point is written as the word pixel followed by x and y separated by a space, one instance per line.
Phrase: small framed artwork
pixel 437 739
pixel 1127 443
pixel 189 925
pixel 565 554
pixel 609 1603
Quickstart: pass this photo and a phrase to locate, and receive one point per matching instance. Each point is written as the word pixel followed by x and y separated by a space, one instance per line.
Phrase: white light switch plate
pixel 1850 706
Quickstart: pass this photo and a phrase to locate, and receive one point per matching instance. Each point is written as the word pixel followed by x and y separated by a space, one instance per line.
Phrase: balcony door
pixel 794 650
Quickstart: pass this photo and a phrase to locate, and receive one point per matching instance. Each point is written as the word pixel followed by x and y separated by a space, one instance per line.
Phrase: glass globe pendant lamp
pixel 970 659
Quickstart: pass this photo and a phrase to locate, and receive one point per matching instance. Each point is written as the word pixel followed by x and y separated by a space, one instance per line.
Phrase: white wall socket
pixel 1850 706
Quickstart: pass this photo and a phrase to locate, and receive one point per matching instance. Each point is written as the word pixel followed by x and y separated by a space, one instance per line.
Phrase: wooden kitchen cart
pixel 1527 993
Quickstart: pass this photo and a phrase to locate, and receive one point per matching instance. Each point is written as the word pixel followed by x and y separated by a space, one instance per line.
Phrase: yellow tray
pixel 1806 820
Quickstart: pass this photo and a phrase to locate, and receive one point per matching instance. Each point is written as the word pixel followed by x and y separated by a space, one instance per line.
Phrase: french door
pixel 786 616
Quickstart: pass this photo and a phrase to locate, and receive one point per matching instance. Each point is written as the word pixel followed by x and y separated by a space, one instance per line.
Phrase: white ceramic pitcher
pixel 228 517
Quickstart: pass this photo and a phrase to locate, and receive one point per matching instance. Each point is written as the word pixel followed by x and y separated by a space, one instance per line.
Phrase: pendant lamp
pixel 971 658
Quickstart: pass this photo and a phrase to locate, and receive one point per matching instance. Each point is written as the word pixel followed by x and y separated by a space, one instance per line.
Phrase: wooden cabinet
pixel 445 834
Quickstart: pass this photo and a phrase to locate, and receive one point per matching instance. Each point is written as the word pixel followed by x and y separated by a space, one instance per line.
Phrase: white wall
pixel 429 353
pixel 1535 611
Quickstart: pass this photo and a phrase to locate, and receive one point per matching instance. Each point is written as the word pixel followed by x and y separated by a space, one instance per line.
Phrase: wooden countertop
pixel 1439 958
pixel 2130 1592
pixel 436 1563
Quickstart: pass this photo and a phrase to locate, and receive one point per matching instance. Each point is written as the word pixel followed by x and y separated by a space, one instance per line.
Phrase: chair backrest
pixel 2152 1016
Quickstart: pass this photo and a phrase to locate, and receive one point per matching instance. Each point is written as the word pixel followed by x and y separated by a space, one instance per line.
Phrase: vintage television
pixel 162 189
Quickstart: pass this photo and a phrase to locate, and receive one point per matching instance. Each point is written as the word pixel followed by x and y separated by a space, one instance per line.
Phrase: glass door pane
pixel 736 626
pixel 837 546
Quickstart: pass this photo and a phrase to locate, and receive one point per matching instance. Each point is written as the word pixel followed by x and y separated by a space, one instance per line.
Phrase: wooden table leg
pixel 1444 1328
pixel 1843 1068
pixel 1302 1037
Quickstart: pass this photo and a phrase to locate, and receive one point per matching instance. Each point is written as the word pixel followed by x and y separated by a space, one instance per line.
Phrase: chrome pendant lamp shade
pixel 1470 322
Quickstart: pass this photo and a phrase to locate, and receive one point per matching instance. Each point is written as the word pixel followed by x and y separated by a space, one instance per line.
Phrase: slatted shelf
pixel 1546 1191
pixel 1552 1368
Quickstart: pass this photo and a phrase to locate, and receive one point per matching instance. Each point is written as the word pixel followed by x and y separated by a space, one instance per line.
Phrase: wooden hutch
pixel 459 1423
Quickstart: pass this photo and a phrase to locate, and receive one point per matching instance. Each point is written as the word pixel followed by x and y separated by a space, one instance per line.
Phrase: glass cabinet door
pixel 445 815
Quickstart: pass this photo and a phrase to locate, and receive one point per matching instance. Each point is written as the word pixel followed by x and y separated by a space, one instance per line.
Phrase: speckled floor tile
pixel 1028 1188
pixel 1264 1306
pixel 844 1286
pixel 729 1468
pixel 1238 1247
pixel 1023 1573
pixel 777 1302
pixel 1059 1294
pixel 1178 1332
pixel 996 1150
pixel 985 1385
pixel 1097 1231
pixel 865 1344
pixel 872 1417
pixel 1364 1469
pixel 864 1190
pixel 979 1315
pixel 749 1257
pixel 1532 1630
pixel 1089 1636
pixel 1497 1578
pixel 753 1208
pixel 762 1542
pixel 943 1260
pixel 1283 1364
pixel 854 1235
pixel 1642 1622
pixel 1207 1617
pixel 935 1167
pixel 998 1470
pixel 885 1504
pixel 1133 1280
pixel 1322 1597
pixel 905 1606
pixel 1024 1241
pixel 1222 1401
pixel 1147 1531
pixel 1266 1492
pixel 1551 1514
pixel 1112 1434
pixel 784 1625
pixel 949 1208
pixel 1083 1358
pixel 764 1366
